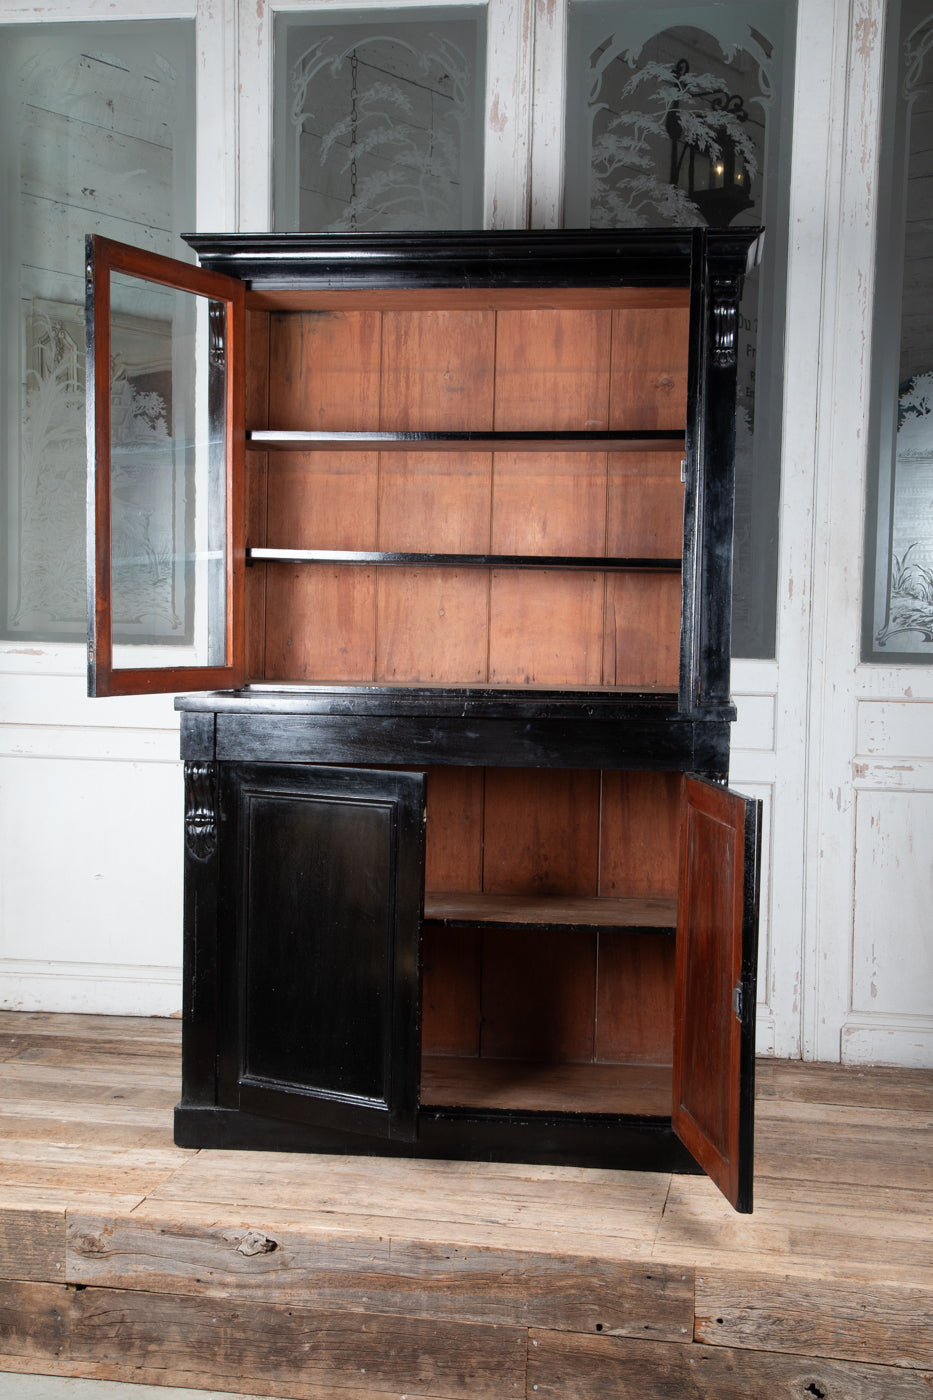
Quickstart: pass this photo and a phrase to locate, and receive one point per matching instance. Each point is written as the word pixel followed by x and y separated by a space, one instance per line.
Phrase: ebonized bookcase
pixel 463 877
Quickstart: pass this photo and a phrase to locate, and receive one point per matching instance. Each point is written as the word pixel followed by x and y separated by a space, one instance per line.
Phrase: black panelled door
pixel 322 888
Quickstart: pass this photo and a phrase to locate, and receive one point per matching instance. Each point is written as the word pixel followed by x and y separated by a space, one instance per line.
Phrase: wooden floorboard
pixel 125 1258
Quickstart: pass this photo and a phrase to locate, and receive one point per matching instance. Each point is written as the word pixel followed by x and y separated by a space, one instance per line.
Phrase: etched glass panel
pixel 679 116
pixel 167 477
pixel 98 126
pixel 379 119
pixel 898 613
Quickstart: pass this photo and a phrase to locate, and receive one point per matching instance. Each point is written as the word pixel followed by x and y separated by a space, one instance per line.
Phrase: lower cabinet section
pixel 501 963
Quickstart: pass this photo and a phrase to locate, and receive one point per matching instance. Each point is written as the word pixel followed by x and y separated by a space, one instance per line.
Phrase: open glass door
pixel 165 423
pixel 716 963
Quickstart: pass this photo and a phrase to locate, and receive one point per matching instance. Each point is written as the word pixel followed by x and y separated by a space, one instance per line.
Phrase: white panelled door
pixel 90 867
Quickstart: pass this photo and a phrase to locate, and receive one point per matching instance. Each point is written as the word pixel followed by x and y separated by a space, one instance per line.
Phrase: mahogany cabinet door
pixel 166 547
pixel 714 1006
pixel 322 877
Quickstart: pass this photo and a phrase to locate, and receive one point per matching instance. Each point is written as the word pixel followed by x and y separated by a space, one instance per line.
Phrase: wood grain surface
pixel 125 1258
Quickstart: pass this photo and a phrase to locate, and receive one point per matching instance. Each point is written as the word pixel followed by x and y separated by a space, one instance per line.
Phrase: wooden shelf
pixel 620 440
pixel 556 912
pixel 269 554
pixel 533 1086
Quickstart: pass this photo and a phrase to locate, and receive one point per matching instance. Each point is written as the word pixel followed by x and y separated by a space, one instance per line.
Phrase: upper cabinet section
pixel 496 462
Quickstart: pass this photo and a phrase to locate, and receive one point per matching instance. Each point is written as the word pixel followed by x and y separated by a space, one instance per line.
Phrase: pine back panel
pixel 599 996
pixel 454 369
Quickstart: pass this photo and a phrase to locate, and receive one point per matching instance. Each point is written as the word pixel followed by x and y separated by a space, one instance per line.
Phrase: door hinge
pixel 738 1000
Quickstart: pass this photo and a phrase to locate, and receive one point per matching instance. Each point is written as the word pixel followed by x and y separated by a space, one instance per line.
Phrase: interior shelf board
pixel 270 554
pixel 615 440
pixel 540 1086
pixel 466 910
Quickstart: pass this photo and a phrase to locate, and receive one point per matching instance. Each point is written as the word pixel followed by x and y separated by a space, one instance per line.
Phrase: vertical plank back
pixel 541 831
pixel 635 999
pixel 639 834
pixel 437 370
pixel 538 996
pixel 324 370
pixel 552 370
pixel 649 368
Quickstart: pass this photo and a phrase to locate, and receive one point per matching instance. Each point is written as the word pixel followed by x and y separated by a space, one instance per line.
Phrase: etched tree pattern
pixel 380 123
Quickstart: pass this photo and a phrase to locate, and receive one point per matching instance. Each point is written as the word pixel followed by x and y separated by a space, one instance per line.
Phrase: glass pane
pixel 168 477
pixel 379 120
pixel 898 621
pixel 98 123
pixel 679 116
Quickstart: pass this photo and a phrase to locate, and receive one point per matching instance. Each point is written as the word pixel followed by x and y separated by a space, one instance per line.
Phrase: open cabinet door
pixel 714 1007
pixel 166 547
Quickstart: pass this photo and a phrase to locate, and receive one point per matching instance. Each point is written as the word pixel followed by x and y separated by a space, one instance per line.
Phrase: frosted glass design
pixel 677 116
pixel 378 119
pixel 898 625
pixel 98 125
pixel 168 477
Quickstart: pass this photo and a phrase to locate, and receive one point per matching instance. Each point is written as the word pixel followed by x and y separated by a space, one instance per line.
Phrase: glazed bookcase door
pixel 714 992
pixel 165 530
pixel 322 885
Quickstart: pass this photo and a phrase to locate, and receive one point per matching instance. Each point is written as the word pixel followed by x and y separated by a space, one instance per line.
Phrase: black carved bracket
pixel 217 334
pixel 200 810
pixel 725 322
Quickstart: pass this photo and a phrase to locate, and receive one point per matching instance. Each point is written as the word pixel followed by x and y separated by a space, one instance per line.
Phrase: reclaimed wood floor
pixel 125 1258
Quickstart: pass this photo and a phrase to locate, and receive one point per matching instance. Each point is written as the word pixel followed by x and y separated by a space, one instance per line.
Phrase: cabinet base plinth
pixel 618 1144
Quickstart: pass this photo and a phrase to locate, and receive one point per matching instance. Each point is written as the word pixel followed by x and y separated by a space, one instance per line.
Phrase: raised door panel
pixel 322 885
pixel 714 1005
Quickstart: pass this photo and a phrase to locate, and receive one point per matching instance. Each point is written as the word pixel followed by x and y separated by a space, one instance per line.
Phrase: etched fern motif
pixel 910 583
pixel 52 573
pixel 627 191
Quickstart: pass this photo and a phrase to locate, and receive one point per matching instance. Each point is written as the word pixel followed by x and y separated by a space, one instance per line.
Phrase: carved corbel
pixel 200 810
pixel 725 317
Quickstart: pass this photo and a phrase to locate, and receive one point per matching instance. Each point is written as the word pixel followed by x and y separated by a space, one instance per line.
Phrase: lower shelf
pixel 504 911
pixel 535 1087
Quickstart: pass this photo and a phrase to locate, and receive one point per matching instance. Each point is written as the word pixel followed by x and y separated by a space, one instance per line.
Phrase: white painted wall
pixel 90 791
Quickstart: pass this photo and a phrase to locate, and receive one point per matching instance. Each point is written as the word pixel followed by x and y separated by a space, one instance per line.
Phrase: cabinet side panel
pixel 200 1029
pixel 324 369
pixel 257 369
pixel 649 368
